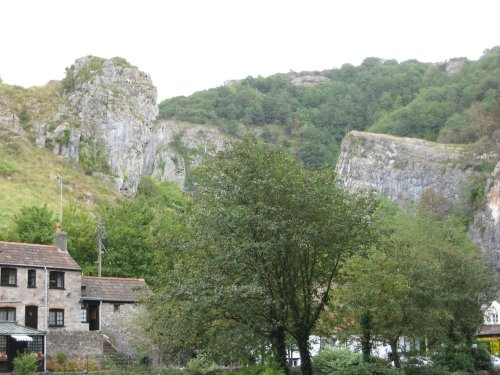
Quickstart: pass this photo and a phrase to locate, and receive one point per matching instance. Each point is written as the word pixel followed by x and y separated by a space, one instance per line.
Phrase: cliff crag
pixel 402 169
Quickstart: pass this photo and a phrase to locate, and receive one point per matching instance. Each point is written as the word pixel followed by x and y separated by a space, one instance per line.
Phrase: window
pixel 9 277
pixel 84 315
pixel 31 279
pixel 494 317
pixel 56 280
pixel 56 317
pixel 8 314
pixel 116 307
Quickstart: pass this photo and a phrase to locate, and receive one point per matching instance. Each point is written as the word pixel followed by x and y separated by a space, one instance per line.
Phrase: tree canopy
pixel 267 237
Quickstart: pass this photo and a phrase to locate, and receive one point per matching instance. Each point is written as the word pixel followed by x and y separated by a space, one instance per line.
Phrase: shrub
pixel 343 362
pixel 201 365
pixel 26 364
pixel 460 358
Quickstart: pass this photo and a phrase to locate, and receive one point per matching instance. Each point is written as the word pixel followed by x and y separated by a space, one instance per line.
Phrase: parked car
pixel 495 361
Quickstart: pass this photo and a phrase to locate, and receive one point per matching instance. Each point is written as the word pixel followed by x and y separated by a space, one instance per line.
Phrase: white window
pixel 8 314
pixel 56 318
pixel 494 318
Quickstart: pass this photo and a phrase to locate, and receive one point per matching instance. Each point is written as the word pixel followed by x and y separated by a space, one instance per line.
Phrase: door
pixel 31 317
pixel 93 317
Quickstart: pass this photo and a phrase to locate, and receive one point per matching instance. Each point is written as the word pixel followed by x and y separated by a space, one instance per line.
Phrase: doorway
pixel 31 317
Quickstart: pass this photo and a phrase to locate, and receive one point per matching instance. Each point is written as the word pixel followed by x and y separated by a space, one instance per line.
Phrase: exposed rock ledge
pixel 401 168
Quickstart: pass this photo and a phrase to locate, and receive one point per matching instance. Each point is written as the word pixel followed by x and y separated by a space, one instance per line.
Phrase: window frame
pixel 6 274
pixel 56 317
pixel 31 279
pixel 84 314
pixel 54 279
pixel 8 310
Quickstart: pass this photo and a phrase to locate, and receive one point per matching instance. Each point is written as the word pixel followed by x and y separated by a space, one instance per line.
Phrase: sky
pixel 193 45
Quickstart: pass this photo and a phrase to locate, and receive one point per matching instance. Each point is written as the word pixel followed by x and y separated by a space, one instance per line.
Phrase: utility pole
pixel 60 179
pixel 100 237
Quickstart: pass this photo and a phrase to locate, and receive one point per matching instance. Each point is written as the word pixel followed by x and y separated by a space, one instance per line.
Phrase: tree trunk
pixel 395 354
pixel 277 338
pixel 366 329
pixel 305 355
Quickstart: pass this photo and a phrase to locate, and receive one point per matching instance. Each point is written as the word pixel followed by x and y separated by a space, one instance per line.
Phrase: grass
pixel 26 180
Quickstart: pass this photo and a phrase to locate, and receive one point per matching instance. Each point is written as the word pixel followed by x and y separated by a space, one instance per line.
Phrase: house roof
pixel 114 289
pixel 11 328
pixel 489 330
pixel 30 255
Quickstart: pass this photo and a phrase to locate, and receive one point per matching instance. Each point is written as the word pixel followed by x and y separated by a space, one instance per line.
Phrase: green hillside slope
pixel 25 179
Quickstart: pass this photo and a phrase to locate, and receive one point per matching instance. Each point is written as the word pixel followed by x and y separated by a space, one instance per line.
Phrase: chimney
pixel 61 238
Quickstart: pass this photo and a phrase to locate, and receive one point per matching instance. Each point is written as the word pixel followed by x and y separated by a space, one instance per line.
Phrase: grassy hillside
pixel 25 179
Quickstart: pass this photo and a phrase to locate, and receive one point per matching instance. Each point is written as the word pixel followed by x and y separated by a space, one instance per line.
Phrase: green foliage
pixel 6 169
pixel 399 282
pixel 64 138
pixel 201 365
pixel 344 362
pixel 82 237
pixel 261 228
pixel 120 61
pixel 135 230
pixel 405 99
pixel 33 225
pixel 93 157
pixel 458 357
pixel 26 364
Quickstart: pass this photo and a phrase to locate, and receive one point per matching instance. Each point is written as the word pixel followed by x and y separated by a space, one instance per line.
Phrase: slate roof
pixel 489 330
pixel 11 328
pixel 30 255
pixel 114 289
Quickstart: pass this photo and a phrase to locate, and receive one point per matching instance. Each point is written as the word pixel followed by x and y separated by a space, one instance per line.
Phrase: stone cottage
pixel 47 307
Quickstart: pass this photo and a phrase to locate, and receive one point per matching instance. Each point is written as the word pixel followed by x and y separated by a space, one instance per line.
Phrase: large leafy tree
pixel 422 279
pixel 267 240
pixel 33 225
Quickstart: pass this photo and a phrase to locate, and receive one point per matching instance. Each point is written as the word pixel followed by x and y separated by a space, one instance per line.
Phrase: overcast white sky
pixel 192 45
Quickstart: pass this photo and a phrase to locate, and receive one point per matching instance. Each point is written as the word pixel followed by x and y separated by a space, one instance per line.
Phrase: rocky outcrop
pixel 178 146
pixel 309 80
pixel 401 168
pixel 485 230
pixel 116 105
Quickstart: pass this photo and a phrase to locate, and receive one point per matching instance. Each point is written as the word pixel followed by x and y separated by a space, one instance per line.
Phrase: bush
pixel 460 358
pixel 201 365
pixel 26 364
pixel 343 362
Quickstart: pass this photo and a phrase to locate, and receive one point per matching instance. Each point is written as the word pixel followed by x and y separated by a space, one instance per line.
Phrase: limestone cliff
pixel 103 116
pixel 485 230
pixel 116 106
pixel 402 169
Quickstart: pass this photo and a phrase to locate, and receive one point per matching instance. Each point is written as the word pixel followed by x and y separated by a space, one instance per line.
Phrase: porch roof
pixel 489 330
pixel 114 289
pixel 12 328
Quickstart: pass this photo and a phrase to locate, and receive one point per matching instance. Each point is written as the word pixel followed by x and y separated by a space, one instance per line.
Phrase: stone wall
pixel 76 345
pixel 67 299
pixel 120 324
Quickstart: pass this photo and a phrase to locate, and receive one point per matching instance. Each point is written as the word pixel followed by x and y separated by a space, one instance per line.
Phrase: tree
pixel 82 237
pixel 34 225
pixel 423 278
pixel 271 235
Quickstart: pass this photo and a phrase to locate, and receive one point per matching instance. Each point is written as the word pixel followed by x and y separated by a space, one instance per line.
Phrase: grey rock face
pixel 179 146
pixel 400 168
pixel 117 108
pixel 309 80
pixel 485 230
pixel 404 168
pixel 8 118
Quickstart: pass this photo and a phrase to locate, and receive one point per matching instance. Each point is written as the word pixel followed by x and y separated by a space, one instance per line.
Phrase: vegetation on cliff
pixel 410 98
